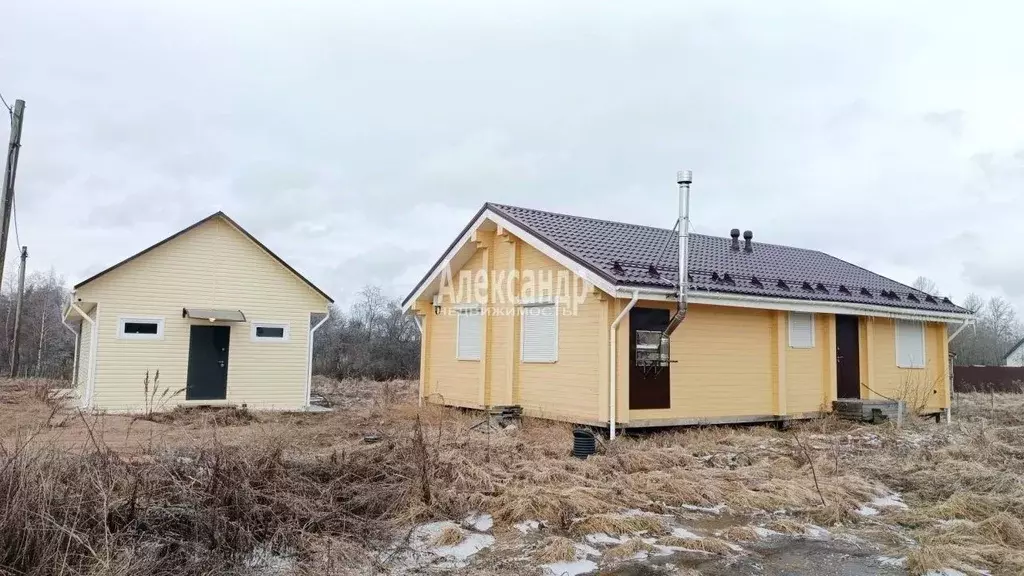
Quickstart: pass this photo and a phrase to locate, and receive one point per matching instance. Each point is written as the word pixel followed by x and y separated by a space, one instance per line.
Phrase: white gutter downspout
pixel 612 363
pixel 309 358
pixel 949 383
pixel 89 383
pixel 419 325
pixel 74 363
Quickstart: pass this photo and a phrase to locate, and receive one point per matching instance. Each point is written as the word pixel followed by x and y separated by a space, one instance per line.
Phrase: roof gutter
pixel 684 178
pixel 309 356
pixel 798 305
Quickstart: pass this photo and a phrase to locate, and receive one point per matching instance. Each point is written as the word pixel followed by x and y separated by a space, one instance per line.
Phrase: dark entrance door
pixel 847 357
pixel 648 385
pixel 208 363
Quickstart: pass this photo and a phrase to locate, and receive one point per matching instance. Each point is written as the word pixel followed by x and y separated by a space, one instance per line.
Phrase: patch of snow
pixel 707 510
pixel 471 544
pixel 763 532
pixel 582 550
pixel 574 568
pixel 528 526
pixel 890 561
pixel 422 552
pixel 867 511
pixel 684 533
pixel 944 572
pixel 604 539
pixel 814 532
pixel 265 562
pixel 890 501
pixel 479 522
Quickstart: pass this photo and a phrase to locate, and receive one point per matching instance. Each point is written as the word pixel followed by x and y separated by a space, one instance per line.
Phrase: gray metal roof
pixel 625 253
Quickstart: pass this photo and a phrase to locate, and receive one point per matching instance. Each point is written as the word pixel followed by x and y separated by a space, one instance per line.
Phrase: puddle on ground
pixel 775 556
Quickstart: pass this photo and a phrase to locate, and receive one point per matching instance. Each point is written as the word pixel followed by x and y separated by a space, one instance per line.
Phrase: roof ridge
pixel 656 228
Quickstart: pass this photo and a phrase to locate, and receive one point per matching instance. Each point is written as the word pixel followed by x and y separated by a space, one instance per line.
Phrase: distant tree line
pixel 47 347
pixel 996 330
pixel 372 340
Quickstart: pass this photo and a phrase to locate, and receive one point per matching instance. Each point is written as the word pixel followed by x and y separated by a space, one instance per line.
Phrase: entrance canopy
pixel 213 315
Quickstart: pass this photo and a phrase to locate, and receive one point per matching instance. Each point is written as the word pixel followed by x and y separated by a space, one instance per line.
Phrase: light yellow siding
pixel 84 357
pixel 212 266
pixel 807 370
pixel 452 381
pixel 728 363
pixel 724 364
pixel 919 387
pixel 566 389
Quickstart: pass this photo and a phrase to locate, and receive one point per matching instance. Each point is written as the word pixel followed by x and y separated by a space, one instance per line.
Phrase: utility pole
pixel 7 200
pixel 17 313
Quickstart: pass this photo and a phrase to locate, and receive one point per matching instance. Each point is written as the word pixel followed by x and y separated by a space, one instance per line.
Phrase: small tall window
pixel 540 333
pixel 801 330
pixel 909 344
pixel 140 328
pixel 269 332
pixel 468 334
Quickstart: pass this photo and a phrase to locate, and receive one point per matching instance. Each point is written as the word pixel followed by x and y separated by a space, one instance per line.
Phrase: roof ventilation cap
pixel 748 245
pixel 735 233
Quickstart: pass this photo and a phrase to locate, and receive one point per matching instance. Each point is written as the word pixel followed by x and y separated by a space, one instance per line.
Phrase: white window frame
pixel 522 329
pixel 158 320
pixel 459 310
pixel 801 347
pixel 924 346
pixel 269 339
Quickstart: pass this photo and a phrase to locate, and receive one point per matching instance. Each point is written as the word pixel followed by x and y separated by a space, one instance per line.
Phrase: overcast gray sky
pixel 357 138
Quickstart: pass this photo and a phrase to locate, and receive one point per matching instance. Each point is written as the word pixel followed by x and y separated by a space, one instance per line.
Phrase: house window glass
pixel 140 328
pixel 468 334
pixel 269 332
pixel 801 330
pixel 909 344
pixel 540 333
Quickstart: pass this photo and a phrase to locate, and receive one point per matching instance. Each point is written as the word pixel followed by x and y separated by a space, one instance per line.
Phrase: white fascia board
pixel 522 234
pixel 794 305
pixel 444 263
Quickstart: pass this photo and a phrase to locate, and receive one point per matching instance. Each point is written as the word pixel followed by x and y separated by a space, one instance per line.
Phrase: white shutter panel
pixel 801 330
pixel 468 339
pixel 909 344
pixel 540 333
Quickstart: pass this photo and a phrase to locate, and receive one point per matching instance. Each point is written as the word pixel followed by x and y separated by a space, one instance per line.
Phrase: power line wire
pixel 6 105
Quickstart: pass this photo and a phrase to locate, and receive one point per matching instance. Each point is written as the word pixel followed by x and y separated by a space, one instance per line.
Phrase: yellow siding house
pixel 562 316
pixel 221 317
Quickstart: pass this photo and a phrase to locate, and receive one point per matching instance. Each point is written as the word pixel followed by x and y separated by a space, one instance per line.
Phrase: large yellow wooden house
pixel 223 319
pixel 563 316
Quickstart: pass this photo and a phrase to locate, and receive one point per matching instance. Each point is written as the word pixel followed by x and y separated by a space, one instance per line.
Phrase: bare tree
pixel 926 285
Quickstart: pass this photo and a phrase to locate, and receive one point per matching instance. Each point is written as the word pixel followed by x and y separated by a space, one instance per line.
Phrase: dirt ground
pixel 823 497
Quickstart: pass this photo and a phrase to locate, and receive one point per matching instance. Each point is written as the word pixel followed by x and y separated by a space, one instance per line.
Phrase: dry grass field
pixel 380 485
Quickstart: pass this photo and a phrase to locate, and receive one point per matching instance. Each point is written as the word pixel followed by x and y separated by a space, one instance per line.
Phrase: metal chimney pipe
pixel 684 178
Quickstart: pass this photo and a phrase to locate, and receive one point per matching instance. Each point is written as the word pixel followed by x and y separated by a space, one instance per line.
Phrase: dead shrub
pixel 449 536
pixel 628 549
pixel 555 549
pixel 618 524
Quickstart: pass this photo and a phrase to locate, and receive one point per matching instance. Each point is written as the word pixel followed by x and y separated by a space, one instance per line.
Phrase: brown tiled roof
pixel 628 255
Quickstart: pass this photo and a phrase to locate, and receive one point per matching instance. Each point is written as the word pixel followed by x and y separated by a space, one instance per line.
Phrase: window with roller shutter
pixel 801 330
pixel 540 333
pixel 468 334
pixel 909 344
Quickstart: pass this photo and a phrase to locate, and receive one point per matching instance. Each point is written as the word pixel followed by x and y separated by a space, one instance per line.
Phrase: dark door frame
pixel 208 354
pixel 847 356
pixel 651 388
